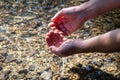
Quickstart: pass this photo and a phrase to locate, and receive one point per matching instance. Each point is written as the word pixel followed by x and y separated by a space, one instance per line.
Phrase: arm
pixel 61 46
pixel 68 20
pixel 108 42
pixel 94 8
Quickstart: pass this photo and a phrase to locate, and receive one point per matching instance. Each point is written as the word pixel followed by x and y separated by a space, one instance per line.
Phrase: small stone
pixel 55 77
pixel 86 33
pixel 2 29
pixel 5 54
pixel 9 58
pixel 13 32
pixel 14 76
pixel 1 68
pixel 89 68
pixel 14 48
pixel 48 69
pixel 2 58
pixel 21 76
pixel 32 68
pixel 55 58
pixel 24 71
pixel 54 67
pixel 99 64
pixel 2 77
pixel 40 78
pixel 19 61
pixel 38 25
pixel 111 68
pixel 7 73
pixel 46 75
pixel 64 78
pixel 39 73
pixel 1 39
pixel 99 73
pixel 109 60
pixel 67 69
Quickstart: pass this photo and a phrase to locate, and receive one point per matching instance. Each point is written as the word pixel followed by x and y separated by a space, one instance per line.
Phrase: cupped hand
pixel 60 45
pixel 67 20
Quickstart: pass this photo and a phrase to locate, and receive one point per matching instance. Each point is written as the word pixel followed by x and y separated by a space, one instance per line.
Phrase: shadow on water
pixel 90 73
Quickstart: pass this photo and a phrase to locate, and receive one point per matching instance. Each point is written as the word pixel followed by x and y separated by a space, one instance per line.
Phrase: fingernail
pixel 52 18
pixel 64 38
pixel 53 28
pixel 50 48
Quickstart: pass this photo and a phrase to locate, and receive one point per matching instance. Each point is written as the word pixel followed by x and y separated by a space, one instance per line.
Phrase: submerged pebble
pixel 32 68
pixel 19 61
pixel 9 58
pixel 46 75
pixel 24 71
pixel 89 68
pixel 1 68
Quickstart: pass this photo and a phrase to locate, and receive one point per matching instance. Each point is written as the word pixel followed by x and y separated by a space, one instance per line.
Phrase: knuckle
pixel 63 10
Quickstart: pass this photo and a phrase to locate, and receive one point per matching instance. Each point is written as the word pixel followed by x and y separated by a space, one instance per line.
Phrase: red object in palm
pixel 57 43
pixel 54 38
pixel 59 25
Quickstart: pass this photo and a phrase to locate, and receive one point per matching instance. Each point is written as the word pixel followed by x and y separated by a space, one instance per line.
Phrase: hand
pixel 62 46
pixel 68 20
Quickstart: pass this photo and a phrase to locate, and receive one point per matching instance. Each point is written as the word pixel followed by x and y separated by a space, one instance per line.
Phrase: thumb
pixel 54 49
pixel 57 15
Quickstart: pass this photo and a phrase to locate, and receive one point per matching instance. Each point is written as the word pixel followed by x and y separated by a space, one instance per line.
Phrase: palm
pixel 67 21
pixel 55 39
pixel 59 43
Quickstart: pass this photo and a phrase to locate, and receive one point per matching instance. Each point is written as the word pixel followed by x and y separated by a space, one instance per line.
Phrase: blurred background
pixel 24 54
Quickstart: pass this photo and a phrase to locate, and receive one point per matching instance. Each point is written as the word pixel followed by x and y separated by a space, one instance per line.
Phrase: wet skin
pixel 68 20
pixel 62 46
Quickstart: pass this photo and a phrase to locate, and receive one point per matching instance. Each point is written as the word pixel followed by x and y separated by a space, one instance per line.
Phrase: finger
pixel 67 26
pixel 47 34
pixel 57 15
pixel 59 25
pixel 60 28
pixel 61 33
pixel 62 17
pixel 48 41
pixel 64 30
pixel 56 31
pixel 64 39
pixel 53 28
pixel 49 38
pixel 60 37
pixel 51 24
pixel 54 39
pixel 55 50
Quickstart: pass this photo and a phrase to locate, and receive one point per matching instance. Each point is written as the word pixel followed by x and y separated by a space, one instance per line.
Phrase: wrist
pixel 80 46
pixel 82 13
